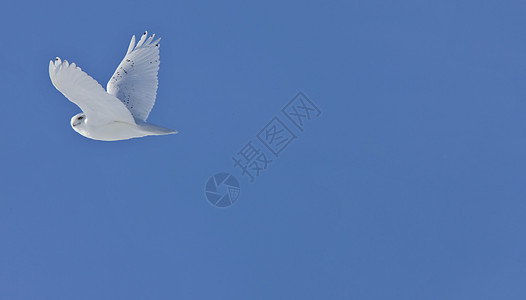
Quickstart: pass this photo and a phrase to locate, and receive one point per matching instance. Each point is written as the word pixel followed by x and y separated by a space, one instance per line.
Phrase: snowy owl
pixel 120 111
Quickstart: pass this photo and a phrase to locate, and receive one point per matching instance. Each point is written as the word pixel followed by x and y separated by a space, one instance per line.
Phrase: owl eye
pixel 80 118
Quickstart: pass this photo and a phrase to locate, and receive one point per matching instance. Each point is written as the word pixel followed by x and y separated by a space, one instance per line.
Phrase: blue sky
pixel 409 185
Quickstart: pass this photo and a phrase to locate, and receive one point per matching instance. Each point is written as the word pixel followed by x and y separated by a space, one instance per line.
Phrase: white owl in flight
pixel 120 111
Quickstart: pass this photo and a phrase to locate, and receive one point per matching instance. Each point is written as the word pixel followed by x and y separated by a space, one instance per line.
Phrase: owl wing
pixel 81 89
pixel 135 80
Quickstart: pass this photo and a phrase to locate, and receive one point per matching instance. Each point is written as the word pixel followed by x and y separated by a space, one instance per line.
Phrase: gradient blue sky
pixel 410 185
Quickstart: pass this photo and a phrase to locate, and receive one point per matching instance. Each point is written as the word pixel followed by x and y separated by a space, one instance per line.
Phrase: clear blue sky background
pixel 410 185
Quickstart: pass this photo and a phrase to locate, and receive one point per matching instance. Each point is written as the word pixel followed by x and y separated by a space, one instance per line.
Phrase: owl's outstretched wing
pixel 135 80
pixel 99 106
